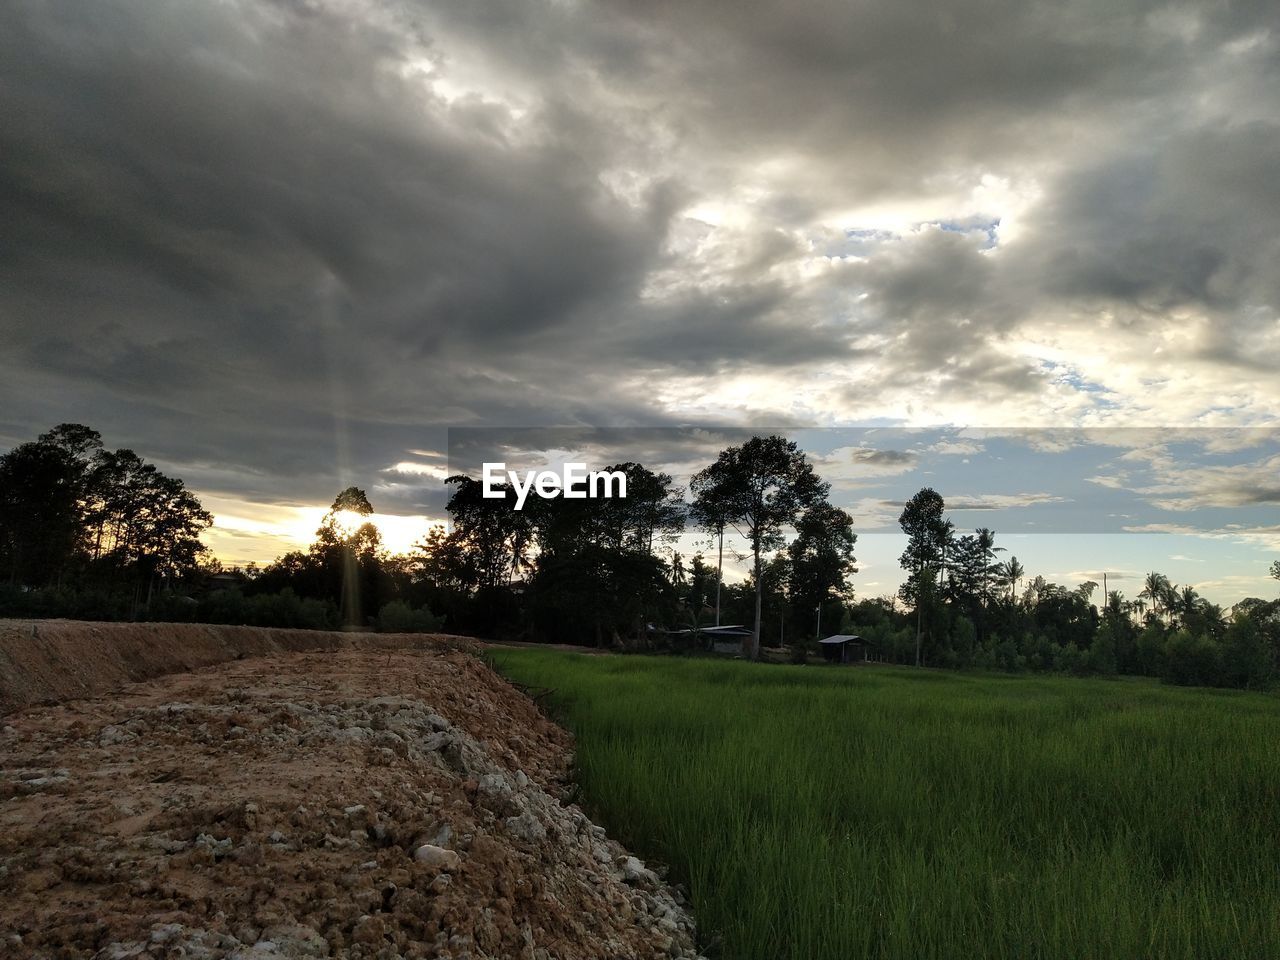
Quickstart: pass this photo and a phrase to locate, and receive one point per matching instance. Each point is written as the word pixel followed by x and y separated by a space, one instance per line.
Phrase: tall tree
pixel 347 546
pixel 709 511
pixel 987 545
pixel 760 486
pixel 696 596
pixel 64 500
pixel 927 534
pixel 821 556
pixel 1156 589
pixel 1009 574
pixel 651 512
pixel 41 492
pixel 489 530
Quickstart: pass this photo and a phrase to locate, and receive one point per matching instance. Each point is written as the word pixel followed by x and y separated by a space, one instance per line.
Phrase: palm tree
pixel 1115 605
pixel 1185 603
pixel 1010 574
pixel 1156 589
pixel 1172 603
pixel 1213 616
pixel 987 544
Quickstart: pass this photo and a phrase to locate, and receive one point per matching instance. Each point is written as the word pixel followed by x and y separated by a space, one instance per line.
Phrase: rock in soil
pixel 358 804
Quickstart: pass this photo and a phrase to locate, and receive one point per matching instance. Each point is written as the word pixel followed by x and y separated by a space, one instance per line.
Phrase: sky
pixel 283 247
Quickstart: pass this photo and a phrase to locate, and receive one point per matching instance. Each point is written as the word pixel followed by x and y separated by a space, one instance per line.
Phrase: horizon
pixel 1068 529
pixel 282 249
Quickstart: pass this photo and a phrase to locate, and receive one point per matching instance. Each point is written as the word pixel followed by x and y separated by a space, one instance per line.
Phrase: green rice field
pixel 825 812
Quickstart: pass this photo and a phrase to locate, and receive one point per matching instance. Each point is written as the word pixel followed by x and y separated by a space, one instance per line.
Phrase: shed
pixel 225 580
pixel 843 648
pixel 727 639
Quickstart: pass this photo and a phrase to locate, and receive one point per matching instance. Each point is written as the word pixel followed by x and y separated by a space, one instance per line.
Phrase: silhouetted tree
pixel 346 549
pixel 927 536
pixel 762 486
pixel 67 502
pixel 821 559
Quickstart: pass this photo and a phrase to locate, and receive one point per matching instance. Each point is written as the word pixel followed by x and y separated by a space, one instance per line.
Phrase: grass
pixel 890 813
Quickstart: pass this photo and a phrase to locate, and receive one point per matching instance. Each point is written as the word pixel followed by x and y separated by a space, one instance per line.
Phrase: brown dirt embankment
pixel 49 661
pixel 347 803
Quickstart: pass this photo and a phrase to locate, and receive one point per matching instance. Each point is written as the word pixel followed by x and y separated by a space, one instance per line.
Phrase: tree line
pixel 99 530
pixel 964 607
pixel 98 534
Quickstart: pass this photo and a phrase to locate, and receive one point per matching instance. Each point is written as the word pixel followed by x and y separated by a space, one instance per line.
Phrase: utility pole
pixel 719 574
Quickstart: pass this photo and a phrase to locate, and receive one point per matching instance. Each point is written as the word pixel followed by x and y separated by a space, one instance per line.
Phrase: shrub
pixel 50 602
pixel 1102 655
pixel 223 606
pixel 1151 650
pixel 1071 659
pixel 317 615
pixel 170 607
pixel 398 617
pixel 1191 660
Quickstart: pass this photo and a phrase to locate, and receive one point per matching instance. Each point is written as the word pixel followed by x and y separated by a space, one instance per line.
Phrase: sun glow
pixel 244 532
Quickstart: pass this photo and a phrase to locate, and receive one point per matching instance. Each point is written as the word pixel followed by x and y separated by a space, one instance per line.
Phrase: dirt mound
pixel 349 804
pixel 47 661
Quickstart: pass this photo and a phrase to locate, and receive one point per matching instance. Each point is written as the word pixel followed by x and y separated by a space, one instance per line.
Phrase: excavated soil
pixel 346 803
pixel 49 661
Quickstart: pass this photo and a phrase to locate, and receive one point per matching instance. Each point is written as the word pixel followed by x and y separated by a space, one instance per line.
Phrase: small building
pixel 843 648
pixel 727 639
pixel 225 580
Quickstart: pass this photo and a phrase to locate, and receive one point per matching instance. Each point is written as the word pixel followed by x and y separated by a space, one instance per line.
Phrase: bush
pixel 1102 655
pixel 281 609
pixel 398 617
pixel 1038 652
pixel 1070 659
pixel 1008 658
pixel 50 602
pixel 170 607
pixel 317 615
pixel 1191 661
pixel 964 642
pixel 1246 657
pixel 1151 650
pixel 224 606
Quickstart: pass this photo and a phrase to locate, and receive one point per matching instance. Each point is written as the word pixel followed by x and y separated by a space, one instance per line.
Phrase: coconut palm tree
pixel 987 544
pixel 1213 617
pixel 1010 574
pixel 1156 589
pixel 1184 604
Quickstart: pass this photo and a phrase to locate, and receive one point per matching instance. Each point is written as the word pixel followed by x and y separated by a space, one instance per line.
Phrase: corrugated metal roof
pixel 841 638
pixel 732 630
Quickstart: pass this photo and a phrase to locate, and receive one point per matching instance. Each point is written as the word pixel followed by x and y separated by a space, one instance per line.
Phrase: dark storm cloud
pixel 681 449
pixel 276 245
pixel 891 458
pixel 255 227
pixel 877 95
pixel 1186 219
